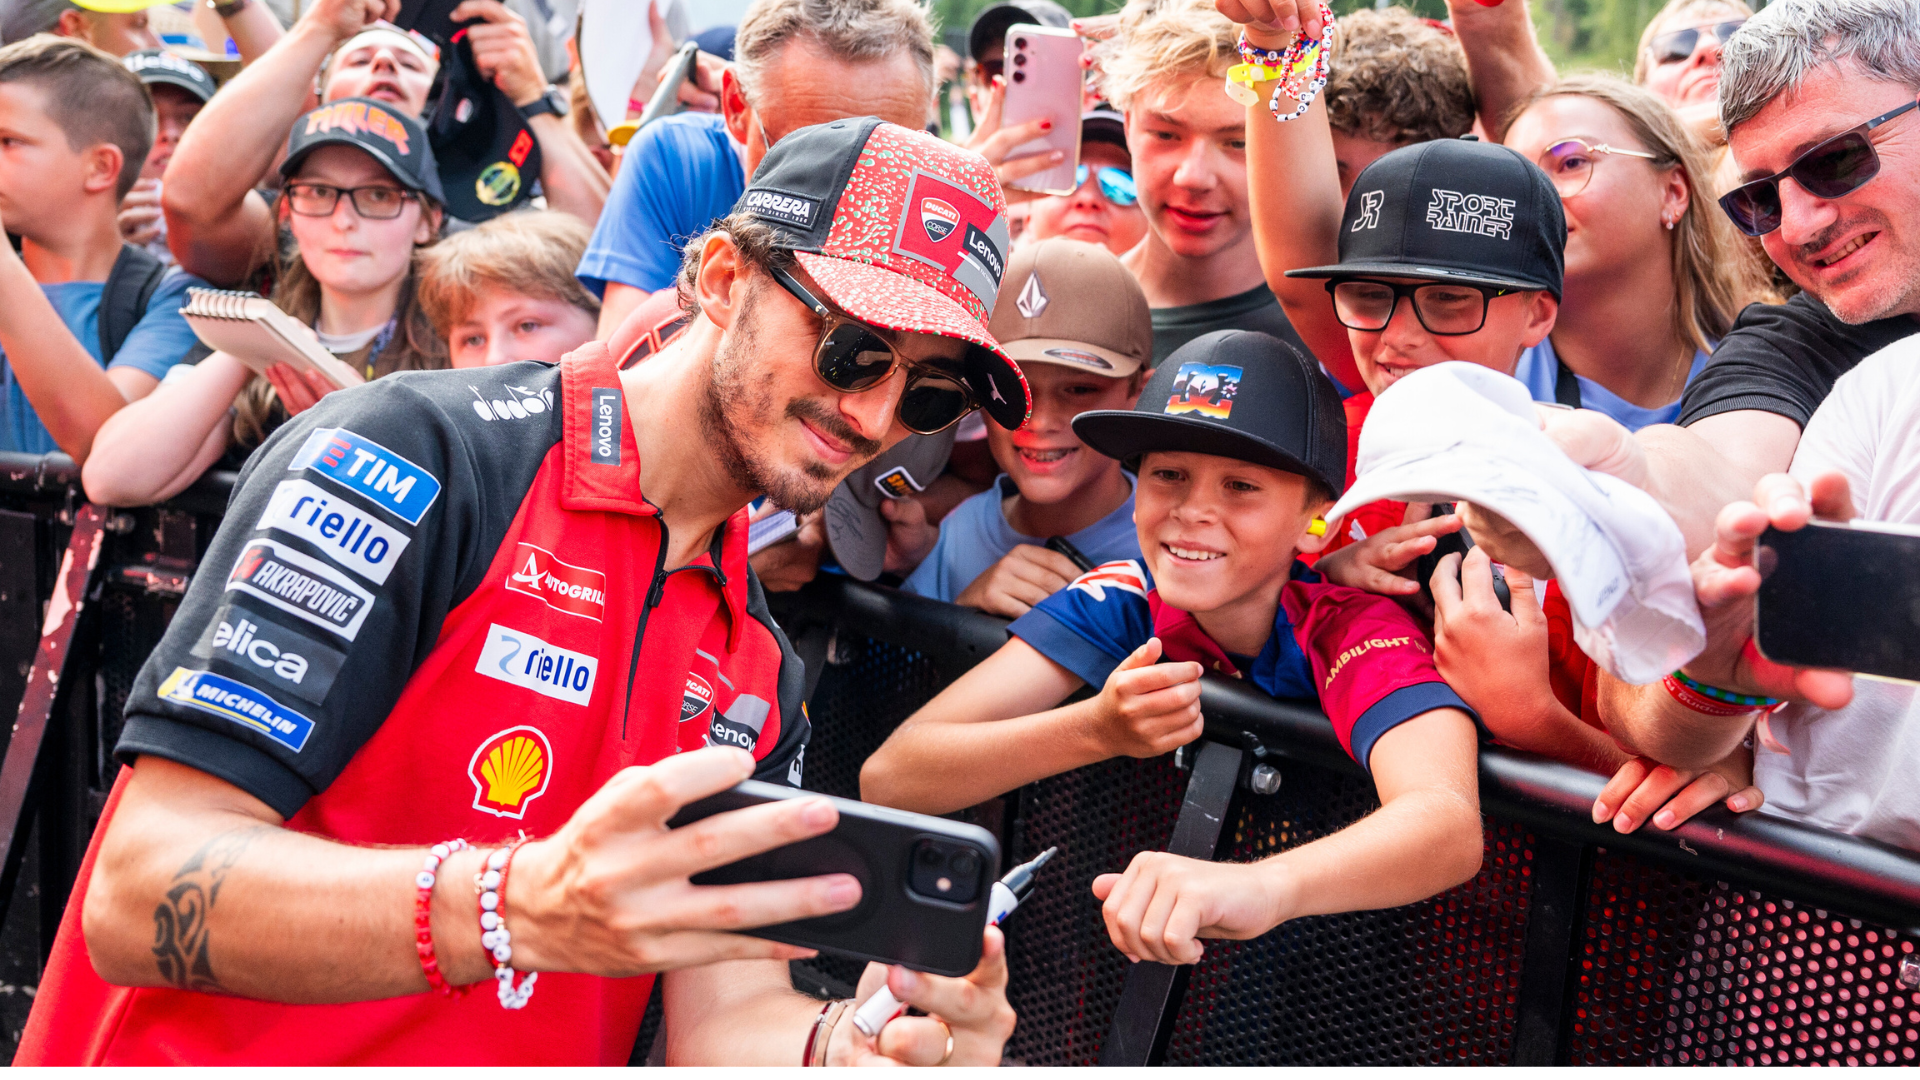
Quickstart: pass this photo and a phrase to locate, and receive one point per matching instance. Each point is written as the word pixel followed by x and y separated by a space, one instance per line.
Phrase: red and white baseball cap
pixel 901 231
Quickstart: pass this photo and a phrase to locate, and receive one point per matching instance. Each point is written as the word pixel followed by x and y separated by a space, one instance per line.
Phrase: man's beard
pixel 739 399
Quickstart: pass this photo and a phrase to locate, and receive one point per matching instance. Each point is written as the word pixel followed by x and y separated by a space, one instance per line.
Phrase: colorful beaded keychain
pixel 1298 71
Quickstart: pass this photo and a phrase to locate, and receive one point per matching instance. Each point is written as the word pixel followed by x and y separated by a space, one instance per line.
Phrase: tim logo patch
pixel 1466 212
pixel 509 770
pixel 1207 389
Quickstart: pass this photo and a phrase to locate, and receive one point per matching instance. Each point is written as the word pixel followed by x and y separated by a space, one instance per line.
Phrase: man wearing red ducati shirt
pixel 468 605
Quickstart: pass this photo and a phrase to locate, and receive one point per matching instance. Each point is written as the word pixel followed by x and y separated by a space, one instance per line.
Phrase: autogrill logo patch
pixel 1481 215
pixel 782 207
pixel 562 586
pixel 603 427
pixel 301 585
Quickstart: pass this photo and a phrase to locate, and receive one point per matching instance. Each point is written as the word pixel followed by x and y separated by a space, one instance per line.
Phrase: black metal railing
pixel 1743 939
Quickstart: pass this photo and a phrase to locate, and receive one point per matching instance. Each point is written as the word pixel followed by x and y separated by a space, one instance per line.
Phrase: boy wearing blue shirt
pixel 75 127
pixel 1242 449
pixel 1077 322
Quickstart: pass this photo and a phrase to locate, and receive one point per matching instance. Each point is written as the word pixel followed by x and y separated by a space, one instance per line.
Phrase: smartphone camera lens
pixel 1020 60
pixel 929 857
pixel 941 870
pixel 1019 43
pixel 965 865
pixel 1019 76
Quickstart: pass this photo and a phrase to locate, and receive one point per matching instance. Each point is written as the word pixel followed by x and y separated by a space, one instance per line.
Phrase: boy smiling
pixel 1242 449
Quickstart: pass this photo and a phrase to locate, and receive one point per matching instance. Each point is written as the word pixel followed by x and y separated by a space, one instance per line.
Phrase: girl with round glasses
pixel 1654 273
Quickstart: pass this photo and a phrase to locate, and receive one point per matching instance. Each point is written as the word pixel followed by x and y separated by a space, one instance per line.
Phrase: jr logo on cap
pixel 1206 389
pixel 1481 215
pixel 949 227
pixel 1369 211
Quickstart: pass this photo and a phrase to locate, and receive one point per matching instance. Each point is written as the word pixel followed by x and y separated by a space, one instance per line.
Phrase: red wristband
pixel 423 883
pixel 1703 704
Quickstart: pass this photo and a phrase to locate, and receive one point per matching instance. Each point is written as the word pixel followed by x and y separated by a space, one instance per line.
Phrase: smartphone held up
pixel 1844 596
pixel 1044 83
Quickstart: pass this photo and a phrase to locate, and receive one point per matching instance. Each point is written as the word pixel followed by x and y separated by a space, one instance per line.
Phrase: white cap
pixel 1459 431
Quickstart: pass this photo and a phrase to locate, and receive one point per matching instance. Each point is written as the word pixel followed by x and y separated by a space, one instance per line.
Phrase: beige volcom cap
pixel 1068 303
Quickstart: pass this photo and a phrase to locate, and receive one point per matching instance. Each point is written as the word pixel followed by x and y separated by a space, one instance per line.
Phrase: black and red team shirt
pixel 437 608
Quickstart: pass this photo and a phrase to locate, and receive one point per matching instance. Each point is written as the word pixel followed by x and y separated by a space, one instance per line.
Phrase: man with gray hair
pixel 796 63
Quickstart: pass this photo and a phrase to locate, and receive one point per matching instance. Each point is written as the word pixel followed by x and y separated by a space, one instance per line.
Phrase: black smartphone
pixel 925 881
pixel 1841 596
pixel 1458 542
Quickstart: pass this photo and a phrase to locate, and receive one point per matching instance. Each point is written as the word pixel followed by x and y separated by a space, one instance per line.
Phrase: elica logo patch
pixel 603 426
pixel 562 586
pixel 360 541
pixel 1207 389
pixel 788 209
pixel 517 657
pixel 509 770
pixel 1481 215
pixel 300 585
pixel 950 228
pixel 389 480
pixel 300 665
pixel 238 702
pixel 516 403
pixel 741 724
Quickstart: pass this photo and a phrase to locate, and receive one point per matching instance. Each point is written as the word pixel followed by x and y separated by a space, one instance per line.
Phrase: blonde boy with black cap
pixel 1241 447
pixel 1077 322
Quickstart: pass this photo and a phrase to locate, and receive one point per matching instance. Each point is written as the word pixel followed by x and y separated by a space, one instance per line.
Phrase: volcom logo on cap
pixel 1369 211
pixel 950 228
pixel 780 206
pixel 1481 215
pixel 1032 299
pixel 1207 389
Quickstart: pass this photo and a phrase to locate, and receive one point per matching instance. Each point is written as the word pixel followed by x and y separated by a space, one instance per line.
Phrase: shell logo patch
pixel 1206 389
pixel 510 770
pixel 696 699
pixel 939 218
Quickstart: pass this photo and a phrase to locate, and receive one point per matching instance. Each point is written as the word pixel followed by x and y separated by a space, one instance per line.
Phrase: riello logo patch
pixel 510 770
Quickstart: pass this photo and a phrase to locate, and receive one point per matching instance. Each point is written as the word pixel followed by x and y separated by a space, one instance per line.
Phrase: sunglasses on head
pixel 853 357
pixel 1677 46
pixel 1827 170
pixel 1115 183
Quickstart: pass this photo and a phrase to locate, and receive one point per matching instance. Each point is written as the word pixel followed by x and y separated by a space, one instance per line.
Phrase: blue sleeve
pixel 1091 625
pixel 927 579
pixel 161 337
pixel 677 176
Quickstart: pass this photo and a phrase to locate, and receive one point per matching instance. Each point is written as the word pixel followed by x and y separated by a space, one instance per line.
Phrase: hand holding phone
pixel 1044 79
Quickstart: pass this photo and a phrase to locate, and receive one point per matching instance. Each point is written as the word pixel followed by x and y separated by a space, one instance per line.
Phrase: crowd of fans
pixel 1707 274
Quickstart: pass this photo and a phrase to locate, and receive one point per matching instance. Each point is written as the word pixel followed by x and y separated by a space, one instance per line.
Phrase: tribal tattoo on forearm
pixel 180 922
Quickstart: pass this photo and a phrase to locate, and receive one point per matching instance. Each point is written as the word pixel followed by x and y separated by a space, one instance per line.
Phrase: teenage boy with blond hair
pixel 87 323
pixel 1077 323
pixel 1242 449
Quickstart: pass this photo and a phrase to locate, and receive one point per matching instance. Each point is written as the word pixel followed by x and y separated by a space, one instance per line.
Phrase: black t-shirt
pixel 1784 358
pixel 1255 309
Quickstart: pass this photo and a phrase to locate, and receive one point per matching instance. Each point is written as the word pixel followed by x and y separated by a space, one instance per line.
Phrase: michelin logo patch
pixel 357 462
pixel 239 703
pixel 780 206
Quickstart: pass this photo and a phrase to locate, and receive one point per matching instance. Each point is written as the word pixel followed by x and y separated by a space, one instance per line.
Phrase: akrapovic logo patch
pixel 788 209
pixel 603 427
pixel 301 585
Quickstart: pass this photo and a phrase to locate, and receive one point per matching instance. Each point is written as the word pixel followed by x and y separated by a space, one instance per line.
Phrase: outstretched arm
pixel 1505 63
pixel 156 447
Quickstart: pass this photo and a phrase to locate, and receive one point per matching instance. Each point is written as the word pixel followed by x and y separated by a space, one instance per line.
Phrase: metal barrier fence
pixel 1731 940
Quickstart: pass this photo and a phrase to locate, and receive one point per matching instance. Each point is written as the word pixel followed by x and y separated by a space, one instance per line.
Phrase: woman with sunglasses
pixel 1679 59
pixel 360 199
pixel 1654 273
pixel 1104 208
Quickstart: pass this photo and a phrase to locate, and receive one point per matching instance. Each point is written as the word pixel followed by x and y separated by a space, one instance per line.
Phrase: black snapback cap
pixel 1235 394
pixel 1453 210
pixel 160 66
pixel 388 135
pixel 488 157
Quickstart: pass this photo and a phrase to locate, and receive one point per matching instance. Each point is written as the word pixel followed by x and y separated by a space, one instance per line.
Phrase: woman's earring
pixel 1667 221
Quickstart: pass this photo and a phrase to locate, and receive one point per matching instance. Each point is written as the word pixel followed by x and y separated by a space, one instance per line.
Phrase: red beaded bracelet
pixel 423 883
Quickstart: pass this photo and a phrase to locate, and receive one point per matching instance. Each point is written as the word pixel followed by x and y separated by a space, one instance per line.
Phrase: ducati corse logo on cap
pixel 939 218
pixel 951 228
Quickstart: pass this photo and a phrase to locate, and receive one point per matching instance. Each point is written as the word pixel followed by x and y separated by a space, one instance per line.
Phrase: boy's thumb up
pixel 1145 656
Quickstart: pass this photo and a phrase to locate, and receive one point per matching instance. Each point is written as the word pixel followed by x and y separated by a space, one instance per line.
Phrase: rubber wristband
pixel 1727 697
pixel 1702 704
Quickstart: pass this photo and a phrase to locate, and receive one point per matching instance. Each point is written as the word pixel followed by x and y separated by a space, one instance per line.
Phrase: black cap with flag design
pixel 1233 394
pixel 489 158
pixel 1453 210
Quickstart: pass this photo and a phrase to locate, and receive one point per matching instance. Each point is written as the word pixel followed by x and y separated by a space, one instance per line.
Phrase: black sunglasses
pixel 1677 46
pixel 1446 309
pixel 853 357
pixel 1827 170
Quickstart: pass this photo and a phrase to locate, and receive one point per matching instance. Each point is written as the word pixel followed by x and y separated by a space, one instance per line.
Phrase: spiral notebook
pixel 256 332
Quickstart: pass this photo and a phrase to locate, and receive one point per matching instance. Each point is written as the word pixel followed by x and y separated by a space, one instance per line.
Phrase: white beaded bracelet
pixel 491 884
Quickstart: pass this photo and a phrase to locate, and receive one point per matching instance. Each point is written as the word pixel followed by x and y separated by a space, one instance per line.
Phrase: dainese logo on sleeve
pixel 1207 389
pixel 509 770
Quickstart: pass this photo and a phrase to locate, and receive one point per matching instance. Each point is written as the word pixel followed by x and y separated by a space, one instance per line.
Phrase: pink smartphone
pixel 1043 81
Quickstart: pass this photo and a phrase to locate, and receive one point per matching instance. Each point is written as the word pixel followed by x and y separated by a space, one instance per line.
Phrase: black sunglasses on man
pixel 1827 170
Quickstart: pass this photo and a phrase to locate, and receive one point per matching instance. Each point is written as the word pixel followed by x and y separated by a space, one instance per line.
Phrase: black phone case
pixel 892 924
pixel 1835 596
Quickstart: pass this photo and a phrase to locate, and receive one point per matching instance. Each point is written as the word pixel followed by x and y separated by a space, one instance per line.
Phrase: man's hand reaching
pixel 967 1023
pixel 503 50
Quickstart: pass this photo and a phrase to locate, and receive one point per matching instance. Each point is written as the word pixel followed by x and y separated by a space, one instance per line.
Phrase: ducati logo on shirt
pixel 509 770
pixel 939 218
pixel 696 699
pixel 562 586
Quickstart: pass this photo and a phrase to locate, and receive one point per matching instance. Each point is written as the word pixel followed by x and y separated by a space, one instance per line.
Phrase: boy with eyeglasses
pixel 87 323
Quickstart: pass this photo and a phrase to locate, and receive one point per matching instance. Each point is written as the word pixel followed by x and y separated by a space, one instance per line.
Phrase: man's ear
pixel 722 281
pixel 73 23
pixel 734 110
pixel 104 161
pixel 1542 310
